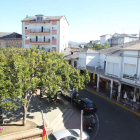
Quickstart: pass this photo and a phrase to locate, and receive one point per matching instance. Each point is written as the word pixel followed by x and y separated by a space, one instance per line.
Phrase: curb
pixel 113 102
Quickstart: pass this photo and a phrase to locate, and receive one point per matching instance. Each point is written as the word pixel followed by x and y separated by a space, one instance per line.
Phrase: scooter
pixel 90 122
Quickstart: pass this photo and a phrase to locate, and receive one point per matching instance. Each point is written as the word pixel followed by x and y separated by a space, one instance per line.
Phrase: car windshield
pixel 51 137
pixel 73 133
pixel 89 105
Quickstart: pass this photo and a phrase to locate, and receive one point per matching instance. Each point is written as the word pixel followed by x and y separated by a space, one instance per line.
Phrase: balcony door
pixel 36 38
pixel 42 29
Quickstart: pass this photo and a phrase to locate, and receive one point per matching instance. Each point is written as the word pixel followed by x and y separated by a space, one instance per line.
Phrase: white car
pixel 68 134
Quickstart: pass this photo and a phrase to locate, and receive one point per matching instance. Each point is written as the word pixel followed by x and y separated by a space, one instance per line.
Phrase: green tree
pixel 106 45
pixel 23 70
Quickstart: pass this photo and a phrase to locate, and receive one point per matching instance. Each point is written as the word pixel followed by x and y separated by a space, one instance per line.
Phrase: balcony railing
pixel 96 70
pixel 47 30
pixel 34 21
pixel 40 40
pixel 130 77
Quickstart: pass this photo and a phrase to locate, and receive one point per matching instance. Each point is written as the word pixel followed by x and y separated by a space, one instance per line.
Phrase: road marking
pixel 114 102
pixel 97 127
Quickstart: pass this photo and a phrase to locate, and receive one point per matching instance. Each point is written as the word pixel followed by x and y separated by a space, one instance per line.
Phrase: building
pixel 48 33
pixel 117 39
pixel 10 39
pixel 90 44
pixel 105 39
pixel 114 70
pixel 71 55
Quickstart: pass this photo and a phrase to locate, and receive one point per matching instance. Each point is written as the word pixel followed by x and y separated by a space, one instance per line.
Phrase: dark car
pixel 85 104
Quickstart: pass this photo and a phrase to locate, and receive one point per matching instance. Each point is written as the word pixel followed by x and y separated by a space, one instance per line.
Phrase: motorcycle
pixel 89 122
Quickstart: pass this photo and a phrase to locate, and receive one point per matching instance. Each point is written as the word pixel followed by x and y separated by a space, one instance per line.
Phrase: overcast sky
pixel 88 19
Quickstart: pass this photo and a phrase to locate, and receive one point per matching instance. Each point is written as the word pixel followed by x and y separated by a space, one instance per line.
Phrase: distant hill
pixel 77 43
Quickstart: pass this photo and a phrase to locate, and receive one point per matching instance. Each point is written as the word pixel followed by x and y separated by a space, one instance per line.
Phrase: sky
pixel 88 19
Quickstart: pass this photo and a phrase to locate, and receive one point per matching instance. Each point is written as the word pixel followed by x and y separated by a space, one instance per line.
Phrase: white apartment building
pixel 105 39
pixel 117 39
pixel 48 33
pixel 115 69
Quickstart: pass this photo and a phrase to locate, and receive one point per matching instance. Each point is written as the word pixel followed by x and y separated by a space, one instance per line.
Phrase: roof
pixel 133 47
pixel 33 18
pixel 104 35
pixel 87 50
pixel 68 53
pixel 124 35
pixel 45 18
pixel 117 50
pixel 4 35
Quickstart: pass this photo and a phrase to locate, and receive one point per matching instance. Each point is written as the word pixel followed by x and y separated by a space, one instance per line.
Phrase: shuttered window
pixel 113 68
pixel 129 69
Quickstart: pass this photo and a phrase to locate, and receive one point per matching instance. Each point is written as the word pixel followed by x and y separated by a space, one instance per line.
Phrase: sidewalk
pixel 106 96
pixel 51 112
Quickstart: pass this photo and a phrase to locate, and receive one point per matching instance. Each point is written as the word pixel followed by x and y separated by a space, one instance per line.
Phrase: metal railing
pixel 39 40
pixel 95 69
pixel 33 21
pixel 47 30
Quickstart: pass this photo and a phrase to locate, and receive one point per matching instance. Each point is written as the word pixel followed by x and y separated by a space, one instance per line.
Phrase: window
pixel 39 18
pixel 75 64
pixel 129 69
pixel 26 37
pixel 112 68
pixel 69 62
pixel 26 28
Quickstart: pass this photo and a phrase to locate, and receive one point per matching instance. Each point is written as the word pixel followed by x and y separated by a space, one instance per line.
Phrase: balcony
pixel 130 77
pixel 40 21
pixel 96 70
pixel 39 41
pixel 40 31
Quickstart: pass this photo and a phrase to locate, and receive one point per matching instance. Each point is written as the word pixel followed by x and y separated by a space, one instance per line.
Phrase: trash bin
pixel 87 84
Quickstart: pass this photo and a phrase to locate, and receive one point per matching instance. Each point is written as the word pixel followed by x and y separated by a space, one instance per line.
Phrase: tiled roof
pixel 133 47
pixel 4 35
pixel 117 50
pixel 44 18
pixel 124 35
pixel 104 35
pixel 87 50
pixel 68 55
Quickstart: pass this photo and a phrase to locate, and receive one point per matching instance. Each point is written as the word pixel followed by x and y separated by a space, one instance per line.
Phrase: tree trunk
pixel 1 116
pixel 55 97
pixel 24 115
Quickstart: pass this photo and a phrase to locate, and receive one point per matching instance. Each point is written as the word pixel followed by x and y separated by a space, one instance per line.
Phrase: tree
pixel 22 71
pixel 106 45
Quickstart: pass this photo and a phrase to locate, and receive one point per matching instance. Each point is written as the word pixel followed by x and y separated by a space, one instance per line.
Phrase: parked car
pixel 68 134
pixel 85 104
pixel 70 94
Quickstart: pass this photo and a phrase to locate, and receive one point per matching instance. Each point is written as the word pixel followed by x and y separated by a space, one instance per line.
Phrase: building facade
pixel 114 70
pixel 10 39
pixel 117 39
pixel 48 33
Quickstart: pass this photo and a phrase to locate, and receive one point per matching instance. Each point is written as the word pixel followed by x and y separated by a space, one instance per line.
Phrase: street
pixel 115 123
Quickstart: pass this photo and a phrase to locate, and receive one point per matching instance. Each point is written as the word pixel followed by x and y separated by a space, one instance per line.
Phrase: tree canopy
pixel 98 46
pixel 22 71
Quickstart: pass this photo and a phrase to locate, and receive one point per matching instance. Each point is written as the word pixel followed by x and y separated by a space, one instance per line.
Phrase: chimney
pixel 71 52
pixel 26 16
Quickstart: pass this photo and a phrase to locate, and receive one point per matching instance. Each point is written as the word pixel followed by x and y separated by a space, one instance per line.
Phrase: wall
pixel 105 39
pixel 2 42
pixel 64 27
pixel 82 60
pixel 102 58
pixel 92 59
